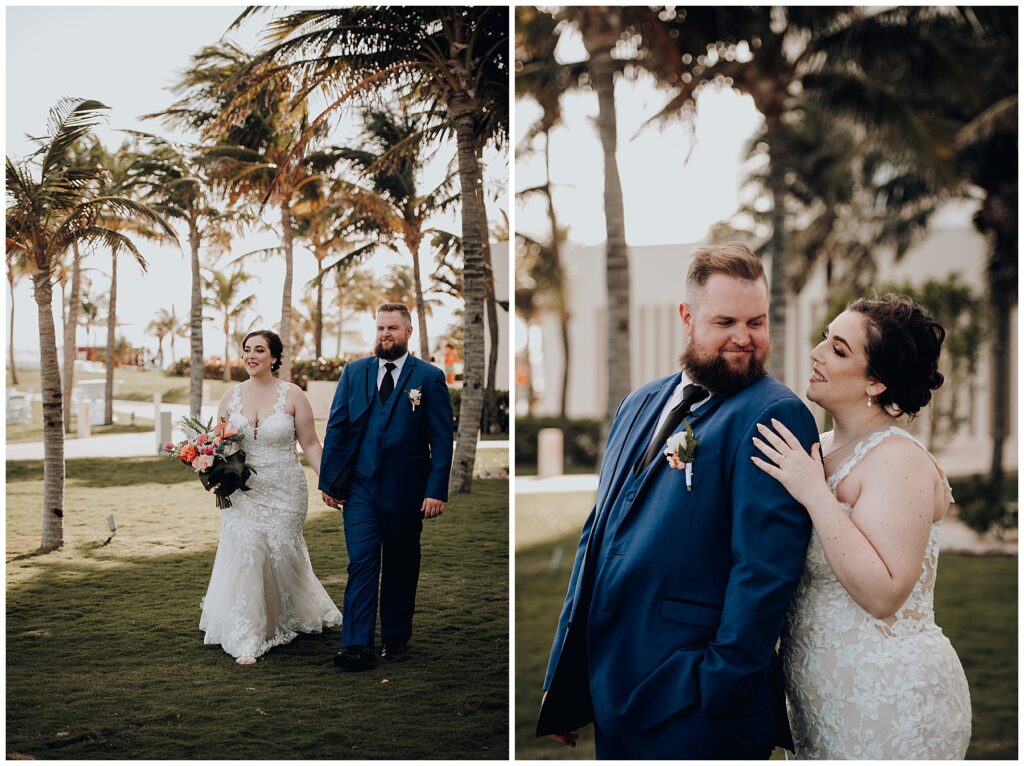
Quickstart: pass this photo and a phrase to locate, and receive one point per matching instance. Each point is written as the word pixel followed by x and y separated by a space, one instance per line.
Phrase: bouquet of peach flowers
pixel 214 453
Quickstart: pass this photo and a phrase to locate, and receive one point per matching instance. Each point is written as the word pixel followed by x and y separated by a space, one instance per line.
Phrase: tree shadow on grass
pixel 109 663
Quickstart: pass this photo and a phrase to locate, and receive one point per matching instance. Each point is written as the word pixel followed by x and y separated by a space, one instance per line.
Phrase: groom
pixel 666 640
pixel 387 456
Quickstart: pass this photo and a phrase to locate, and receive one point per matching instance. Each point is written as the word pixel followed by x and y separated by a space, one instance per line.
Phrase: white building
pixel 657 274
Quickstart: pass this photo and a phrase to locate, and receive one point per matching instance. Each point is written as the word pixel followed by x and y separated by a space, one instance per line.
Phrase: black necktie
pixel 388 384
pixel 692 394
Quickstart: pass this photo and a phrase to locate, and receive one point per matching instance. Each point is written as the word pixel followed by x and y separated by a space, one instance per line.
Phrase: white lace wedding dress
pixel 863 688
pixel 262 590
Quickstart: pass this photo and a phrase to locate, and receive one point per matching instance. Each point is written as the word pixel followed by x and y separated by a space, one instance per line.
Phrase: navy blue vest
pixel 373 437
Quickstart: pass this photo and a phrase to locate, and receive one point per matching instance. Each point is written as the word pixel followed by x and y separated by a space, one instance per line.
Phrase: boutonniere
pixel 679 451
pixel 415 397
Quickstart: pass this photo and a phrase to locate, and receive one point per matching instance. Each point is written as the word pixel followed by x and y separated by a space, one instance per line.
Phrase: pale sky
pixel 669 198
pixel 126 57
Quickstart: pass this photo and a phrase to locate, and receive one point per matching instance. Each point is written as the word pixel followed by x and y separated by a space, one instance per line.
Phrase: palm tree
pixel 119 182
pixel 390 159
pixel 331 216
pixel 941 84
pixel 233 101
pixel 173 181
pixel 18 267
pixel 222 296
pixel 541 77
pixel 763 52
pixel 48 210
pixel 166 325
pixel 602 28
pixel 454 60
pixel 398 286
pixel 356 291
pixel 86 153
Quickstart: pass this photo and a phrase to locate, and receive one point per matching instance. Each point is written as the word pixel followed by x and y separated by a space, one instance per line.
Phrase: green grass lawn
pixel 975 604
pixel 105 659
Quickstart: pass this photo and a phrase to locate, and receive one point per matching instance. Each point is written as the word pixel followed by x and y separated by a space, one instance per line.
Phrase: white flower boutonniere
pixel 415 397
pixel 679 451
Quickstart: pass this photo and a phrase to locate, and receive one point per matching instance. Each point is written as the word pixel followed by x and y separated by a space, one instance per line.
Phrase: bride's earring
pixel 869 400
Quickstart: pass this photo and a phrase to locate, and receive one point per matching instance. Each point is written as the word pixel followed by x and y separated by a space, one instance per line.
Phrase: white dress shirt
pixel 395 373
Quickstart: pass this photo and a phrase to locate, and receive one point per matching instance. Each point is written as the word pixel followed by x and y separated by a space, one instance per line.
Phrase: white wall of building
pixel 657 274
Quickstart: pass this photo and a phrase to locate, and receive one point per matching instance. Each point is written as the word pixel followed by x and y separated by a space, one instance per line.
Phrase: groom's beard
pixel 715 374
pixel 390 354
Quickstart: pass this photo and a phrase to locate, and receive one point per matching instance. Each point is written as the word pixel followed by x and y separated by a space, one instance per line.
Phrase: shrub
pixel 981 506
pixel 213 369
pixel 581 441
pixel 321 368
pixel 456 397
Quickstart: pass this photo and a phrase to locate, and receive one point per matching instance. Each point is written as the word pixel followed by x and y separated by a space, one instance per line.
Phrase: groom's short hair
pixel 398 308
pixel 734 259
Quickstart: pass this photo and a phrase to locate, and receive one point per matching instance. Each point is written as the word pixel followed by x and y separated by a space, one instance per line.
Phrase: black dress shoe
pixel 393 650
pixel 355 658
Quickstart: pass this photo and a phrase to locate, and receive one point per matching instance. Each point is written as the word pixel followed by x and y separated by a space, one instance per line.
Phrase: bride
pixel 262 591
pixel 869 675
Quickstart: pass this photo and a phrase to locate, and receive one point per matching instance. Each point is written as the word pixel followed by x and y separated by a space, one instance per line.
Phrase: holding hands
pixel 802 474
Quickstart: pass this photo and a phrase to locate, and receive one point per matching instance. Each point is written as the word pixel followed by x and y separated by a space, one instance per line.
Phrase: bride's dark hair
pixel 903 347
pixel 274 345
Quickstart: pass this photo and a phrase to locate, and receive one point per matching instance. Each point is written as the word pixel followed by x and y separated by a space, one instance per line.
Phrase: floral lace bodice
pixel 273 442
pixel 861 687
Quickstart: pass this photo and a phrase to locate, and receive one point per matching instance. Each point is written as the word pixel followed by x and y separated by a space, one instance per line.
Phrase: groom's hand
pixel 566 737
pixel 330 500
pixel 432 507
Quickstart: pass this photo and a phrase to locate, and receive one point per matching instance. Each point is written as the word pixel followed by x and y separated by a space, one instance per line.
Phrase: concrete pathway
pixel 141 444
pixel 954 535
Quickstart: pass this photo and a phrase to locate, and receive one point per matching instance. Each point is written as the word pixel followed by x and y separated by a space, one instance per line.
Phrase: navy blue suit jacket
pixel 692 590
pixel 415 454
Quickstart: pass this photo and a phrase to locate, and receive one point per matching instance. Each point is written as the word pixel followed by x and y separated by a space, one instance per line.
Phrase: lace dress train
pixel 863 688
pixel 263 591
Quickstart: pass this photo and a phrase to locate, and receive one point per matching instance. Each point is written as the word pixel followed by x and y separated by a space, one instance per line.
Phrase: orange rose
pixel 188 453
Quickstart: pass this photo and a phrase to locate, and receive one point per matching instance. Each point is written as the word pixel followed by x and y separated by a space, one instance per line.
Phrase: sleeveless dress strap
pixel 282 394
pixel 235 403
pixel 864 447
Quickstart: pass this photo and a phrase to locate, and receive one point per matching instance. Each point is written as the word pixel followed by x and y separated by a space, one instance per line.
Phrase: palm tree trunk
pixel 490 415
pixel 412 241
pixel 227 348
pixel 108 390
pixel 71 330
pixel 461 110
pixel 52 536
pixel 285 372
pixel 195 385
pixel 1001 293
pixel 318 321
pixel 10 329
pixel 561 298
pixel 779 275
pixel 616 257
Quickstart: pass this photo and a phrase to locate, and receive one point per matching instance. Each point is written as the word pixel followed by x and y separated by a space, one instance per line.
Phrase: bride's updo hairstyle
pixel 903 348
pixel 274 345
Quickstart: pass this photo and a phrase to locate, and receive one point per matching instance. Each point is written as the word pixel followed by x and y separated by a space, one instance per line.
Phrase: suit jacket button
pixel 630 496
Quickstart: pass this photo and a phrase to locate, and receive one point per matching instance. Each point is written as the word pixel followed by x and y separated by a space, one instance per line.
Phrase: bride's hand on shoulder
pixel 801 473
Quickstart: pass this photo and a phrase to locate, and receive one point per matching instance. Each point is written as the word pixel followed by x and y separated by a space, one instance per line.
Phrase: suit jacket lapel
pixel 371 380
pixel 706 409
